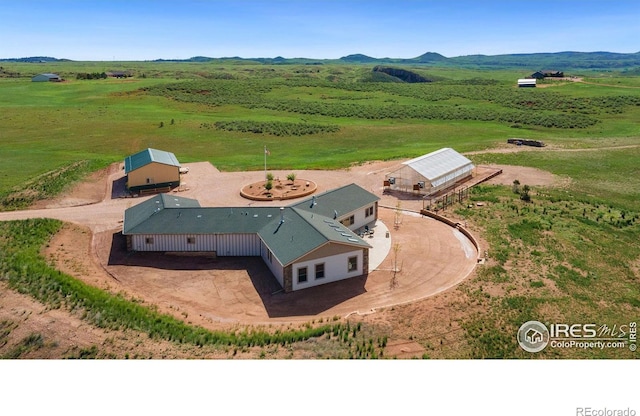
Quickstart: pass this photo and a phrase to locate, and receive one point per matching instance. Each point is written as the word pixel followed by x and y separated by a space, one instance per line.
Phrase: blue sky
pixel 145 29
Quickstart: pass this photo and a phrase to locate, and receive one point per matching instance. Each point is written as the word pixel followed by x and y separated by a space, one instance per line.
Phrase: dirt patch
pixel 526 176
pixel 62 334
pixel 402 348
pixel 90 191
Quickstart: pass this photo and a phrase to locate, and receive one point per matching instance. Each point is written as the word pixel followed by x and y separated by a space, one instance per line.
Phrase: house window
pixel 191 240
pixel 148 240
pixel 302 274
pixel 352 264
pixel 320 271
pixel 348 221
pixel 368 212
pixel 269 256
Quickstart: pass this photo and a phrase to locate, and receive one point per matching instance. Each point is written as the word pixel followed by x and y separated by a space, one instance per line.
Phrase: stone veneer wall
pixel 288 278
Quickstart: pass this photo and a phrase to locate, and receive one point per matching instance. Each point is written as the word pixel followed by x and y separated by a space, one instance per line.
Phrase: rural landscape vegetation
pixel 564 253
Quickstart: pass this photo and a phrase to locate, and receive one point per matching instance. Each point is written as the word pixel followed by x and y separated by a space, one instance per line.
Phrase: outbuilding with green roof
pixel 152 169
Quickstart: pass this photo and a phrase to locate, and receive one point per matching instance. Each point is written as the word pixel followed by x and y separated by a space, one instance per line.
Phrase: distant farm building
pixel 526 83
pixel 547 73
pixel 119 74
pixel 46 78
pixel 152 170
pixel 430 173
pixel 305 244
pixel 526 142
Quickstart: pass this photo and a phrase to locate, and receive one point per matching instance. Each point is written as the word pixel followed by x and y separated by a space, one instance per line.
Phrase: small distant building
pixel 152 169
pixel 527 83
pixel 553 73
pixel 547 73
pixel 118 74
pixel 430 173
pixel 46 78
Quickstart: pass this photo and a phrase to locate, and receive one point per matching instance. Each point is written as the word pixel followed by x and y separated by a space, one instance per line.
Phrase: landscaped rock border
pixel 288 190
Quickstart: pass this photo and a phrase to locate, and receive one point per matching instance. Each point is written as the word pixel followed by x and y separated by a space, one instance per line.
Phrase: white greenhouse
pixel 430 173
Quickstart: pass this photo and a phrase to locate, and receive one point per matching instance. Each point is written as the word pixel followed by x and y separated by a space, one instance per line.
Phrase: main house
pixel 304 244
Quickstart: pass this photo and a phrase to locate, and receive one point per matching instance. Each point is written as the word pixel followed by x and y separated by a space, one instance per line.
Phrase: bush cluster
pixel 276 128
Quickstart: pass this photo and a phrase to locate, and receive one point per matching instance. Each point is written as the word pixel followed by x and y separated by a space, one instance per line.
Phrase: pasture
pixel 569 255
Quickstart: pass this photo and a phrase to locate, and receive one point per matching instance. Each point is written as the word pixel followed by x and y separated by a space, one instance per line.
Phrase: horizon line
pixel 308 58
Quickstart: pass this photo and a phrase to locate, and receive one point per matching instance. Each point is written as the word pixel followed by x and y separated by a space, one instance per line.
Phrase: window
pixel 269 256
pixel 191 240
pixel 352 264
pixel 368 212
pixel 302 274
pixel 148 240
pixel 320 271
pixel 348 221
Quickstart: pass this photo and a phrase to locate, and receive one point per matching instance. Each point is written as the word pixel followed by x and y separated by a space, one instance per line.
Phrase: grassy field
pixel 570 255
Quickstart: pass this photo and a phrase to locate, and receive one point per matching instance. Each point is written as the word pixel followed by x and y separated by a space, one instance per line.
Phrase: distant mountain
pixel 360 59
pixel 35 59
pixel 557 60
pixel 561 61
pixel 430 57
pixel 531 61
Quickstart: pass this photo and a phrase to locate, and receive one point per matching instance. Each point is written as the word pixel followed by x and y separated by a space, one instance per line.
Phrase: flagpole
pixel 265 162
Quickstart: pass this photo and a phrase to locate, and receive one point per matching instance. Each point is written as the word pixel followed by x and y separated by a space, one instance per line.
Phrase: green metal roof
pixel 147 156
pixel 147 214
pixel 289 232
pixel 338 202
pixel 302 232
pixel 197 220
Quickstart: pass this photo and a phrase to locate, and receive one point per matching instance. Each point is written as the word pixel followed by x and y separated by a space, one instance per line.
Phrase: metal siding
pixel 276 268
pixel 335 268
pixel 222 244
pixel 155 171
